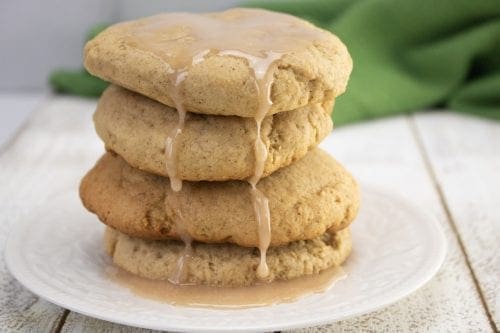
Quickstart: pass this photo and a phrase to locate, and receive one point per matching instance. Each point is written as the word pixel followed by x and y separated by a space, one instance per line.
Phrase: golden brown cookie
pixel 141 55
pixel 210 147
pixel 226 264
pixel 306 198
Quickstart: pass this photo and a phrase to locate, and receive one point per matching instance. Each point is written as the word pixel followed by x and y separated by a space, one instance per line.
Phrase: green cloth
pixel 410 55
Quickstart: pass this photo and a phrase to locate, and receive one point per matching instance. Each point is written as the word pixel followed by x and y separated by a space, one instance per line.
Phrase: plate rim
pixel 13 258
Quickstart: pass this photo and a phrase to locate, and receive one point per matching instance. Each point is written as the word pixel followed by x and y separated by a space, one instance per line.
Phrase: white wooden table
pixel 447 163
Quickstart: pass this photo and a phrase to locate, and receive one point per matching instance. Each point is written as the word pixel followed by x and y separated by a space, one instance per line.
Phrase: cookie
pixel 306 199
pixel 141 55
pixel 210 147
pixel 226 264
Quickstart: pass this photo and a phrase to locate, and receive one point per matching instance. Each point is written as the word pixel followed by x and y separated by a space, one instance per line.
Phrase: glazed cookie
pixel 306 199
pixel 217 56
pixel 226 264
pixel 210 147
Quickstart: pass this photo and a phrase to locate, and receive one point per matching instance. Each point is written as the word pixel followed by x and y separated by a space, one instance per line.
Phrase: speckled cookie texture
pixel 210 147
pixel 306 199
pixel 220 84
pixel 226 264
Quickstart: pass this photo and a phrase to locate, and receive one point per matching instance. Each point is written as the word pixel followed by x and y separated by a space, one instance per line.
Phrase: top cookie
pixel 219 58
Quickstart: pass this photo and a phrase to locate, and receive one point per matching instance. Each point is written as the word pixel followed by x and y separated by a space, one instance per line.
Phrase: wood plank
pixel 385 153
pixel 464 152
pixel 28 165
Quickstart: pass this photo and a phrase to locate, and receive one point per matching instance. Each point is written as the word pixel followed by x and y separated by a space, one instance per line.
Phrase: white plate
pixel 58 255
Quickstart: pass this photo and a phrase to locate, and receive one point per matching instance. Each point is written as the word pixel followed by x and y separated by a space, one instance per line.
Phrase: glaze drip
pixel 179 276
pixel 172 140
pixel 263 71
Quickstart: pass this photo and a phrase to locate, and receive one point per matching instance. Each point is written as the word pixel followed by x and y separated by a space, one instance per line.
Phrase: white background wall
pixel 37 36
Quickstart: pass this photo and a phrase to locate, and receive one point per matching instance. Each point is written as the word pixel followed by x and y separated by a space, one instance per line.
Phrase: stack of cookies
pixel 212 175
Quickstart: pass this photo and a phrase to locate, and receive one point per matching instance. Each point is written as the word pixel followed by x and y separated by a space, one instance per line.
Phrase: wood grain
pixel 464 153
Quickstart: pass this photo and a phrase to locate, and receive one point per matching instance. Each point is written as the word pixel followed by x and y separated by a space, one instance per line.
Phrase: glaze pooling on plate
pixel 263 294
